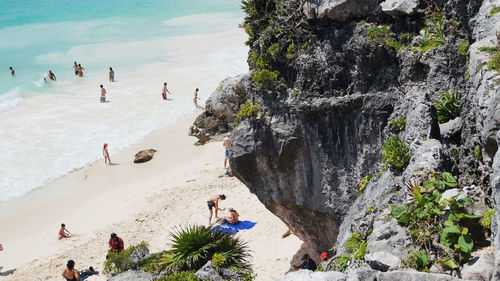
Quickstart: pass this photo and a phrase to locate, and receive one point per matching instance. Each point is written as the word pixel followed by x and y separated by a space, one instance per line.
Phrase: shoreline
pixel 131 200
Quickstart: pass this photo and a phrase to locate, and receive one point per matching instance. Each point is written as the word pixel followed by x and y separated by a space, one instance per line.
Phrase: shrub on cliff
pixel 395 154
pixel 122 261
pixel 248 110
pixel 265 77
pixel 194 246
pixel 449 106
pixel 397 125
pixel 355 250
pixel 180 276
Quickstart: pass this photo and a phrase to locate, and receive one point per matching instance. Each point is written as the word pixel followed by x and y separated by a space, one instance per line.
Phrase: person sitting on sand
pixel 165 91
pixel 233 217
pixel 111 75
pixel 225 143
pixel 115 243
pixel 63 232
pixel 196 98
pixel 75 66
pixel 103 94
pixel 105 153
pixel 52 76
pixel 307 264
pixel 214 203
pixel 70 273
pixel 80 70
pixel 12 72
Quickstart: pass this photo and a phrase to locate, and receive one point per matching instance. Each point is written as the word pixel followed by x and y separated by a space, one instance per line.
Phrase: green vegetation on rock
pixel 449 106
pixel 362 184
pixel 395 154
pixel 265 78
pixel 463 47
pixel 434 32
pixel 494 63
pixel 477 152
pixel 378 33
pixel 490 50
pixel 290 51
pixel 179 276
pixel 194 246
pixel 248 110
pixel 398 125
pixel 486 219
pixel 274 48
pixel 355 250
pixel 119 262
pixel 494 11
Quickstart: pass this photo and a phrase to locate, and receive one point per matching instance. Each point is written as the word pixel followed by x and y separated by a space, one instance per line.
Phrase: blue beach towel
pixel 233 229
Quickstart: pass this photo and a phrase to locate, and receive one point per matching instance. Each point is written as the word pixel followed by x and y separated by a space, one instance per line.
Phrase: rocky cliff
pixel 329 81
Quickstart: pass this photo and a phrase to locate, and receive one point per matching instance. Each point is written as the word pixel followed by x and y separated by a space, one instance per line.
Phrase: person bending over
pixel 214 203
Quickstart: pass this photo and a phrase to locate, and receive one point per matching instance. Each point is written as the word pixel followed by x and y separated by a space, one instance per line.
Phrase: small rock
pixel 209 272
pixel 144 155
pixel 307 275
pixel 480 267
pixel 451 128
pixel 397 8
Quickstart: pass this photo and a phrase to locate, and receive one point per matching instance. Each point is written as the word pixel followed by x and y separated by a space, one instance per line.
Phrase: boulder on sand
pixel 144 155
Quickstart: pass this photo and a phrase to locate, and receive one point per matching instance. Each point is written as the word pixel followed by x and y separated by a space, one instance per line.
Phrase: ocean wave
pixel 11 99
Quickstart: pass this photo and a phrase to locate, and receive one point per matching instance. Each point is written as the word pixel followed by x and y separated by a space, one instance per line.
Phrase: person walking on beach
pixel 111 75
pixel 115 243
pixel 63 232
pixel 80 70
pixel 12 72
pixel 52 76
pixel 103 94
pixel 165 91
pixel 225 143
pixel 214 203
pixel 196 98
pixel 70 273
pixel 75 66
pixel 105 153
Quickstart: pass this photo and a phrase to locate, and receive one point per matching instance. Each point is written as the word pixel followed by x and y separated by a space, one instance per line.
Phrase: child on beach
pixel 233 217
pixel 12 71
pixel 75 66
pixel 103 94
pixel 63 232
pixel 214 203
pixel 105 153
pixel 196 97
pixel 70 273
pixel 225 143
pixel 111 75
pixel 165 91
pixel 52 76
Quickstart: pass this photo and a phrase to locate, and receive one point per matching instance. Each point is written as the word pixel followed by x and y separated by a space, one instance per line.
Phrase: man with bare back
pixel 214 203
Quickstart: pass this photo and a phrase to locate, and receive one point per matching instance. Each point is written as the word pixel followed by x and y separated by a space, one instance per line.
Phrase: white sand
pixel 140 202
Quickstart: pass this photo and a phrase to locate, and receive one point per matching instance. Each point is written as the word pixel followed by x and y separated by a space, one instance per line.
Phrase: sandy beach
pixel 140 202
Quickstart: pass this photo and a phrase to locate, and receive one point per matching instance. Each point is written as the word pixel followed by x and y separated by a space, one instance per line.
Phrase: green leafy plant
pixel 248 110
pixel 490 50
pixel 486 219
pixel 433 29
pixel 397 125
pixel 494 10
pixel 462 47
pixel 395 154
pixel 119 262
pixel 449 106
pixel 194 246
pixel 355 250
pixel 179 276
pixel 419 259
pixel 305 45
pixel 152 264
pixel 218 260
pixel 378 33
pixel 494 63
pixel 274 48
pixel 265 78
pixel 248 275
pixel 290 51
pixel 405 38
pixel 362 184
pixel 477 152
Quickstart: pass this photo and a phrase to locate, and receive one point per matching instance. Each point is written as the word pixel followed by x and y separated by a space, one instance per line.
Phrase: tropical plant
pixel 449 106
pixel 265 77
pixel 355 250
pixel 119 262
pixel 248 275
pixel 194 246
pixel 152 264
pixel 395 154
pixel 218 260
pixel 179 276
pixel 433 30
pixel 397 125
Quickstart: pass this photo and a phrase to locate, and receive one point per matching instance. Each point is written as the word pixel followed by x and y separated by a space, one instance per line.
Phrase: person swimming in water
pixel 52 76
pixel 12 72
pixel 111 75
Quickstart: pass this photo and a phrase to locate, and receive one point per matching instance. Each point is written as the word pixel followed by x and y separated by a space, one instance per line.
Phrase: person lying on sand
pixel 233 217
pixel 52 76
pixel 214 203
pixel 63 232
pixel 70 273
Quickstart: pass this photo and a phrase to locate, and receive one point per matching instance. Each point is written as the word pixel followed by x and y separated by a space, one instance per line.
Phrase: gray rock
pixel 427 157
pixel 307 275
pixel 210 273
pixel 448 194
pixel 339 10
pixel 397 8
pixel 136 256
pixel 386 245
pixel 132 275
pixel 480 267
pixel 451 128
pixel 144 155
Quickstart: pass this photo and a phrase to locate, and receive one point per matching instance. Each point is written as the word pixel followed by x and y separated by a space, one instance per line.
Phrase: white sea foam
pixel 10 99
pixel 63 128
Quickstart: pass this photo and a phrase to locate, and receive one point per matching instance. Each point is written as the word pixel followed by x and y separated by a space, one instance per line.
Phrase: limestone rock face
pixel 307 275
pixel 480 267
pixel 132 275
pixel 339 10
pixel 397 8
pixel 144 155
pixel 209 273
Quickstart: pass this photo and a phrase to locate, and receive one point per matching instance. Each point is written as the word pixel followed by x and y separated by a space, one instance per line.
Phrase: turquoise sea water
pixel 50 129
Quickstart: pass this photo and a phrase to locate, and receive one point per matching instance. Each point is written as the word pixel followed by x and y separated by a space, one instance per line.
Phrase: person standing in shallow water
pixel 12 72
pixel 105 153
pixel 165 91
pixel 111 75
pixel 75 66
pixel 52 76
pixel 80 70
pixel 103 94
pixel 196 98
